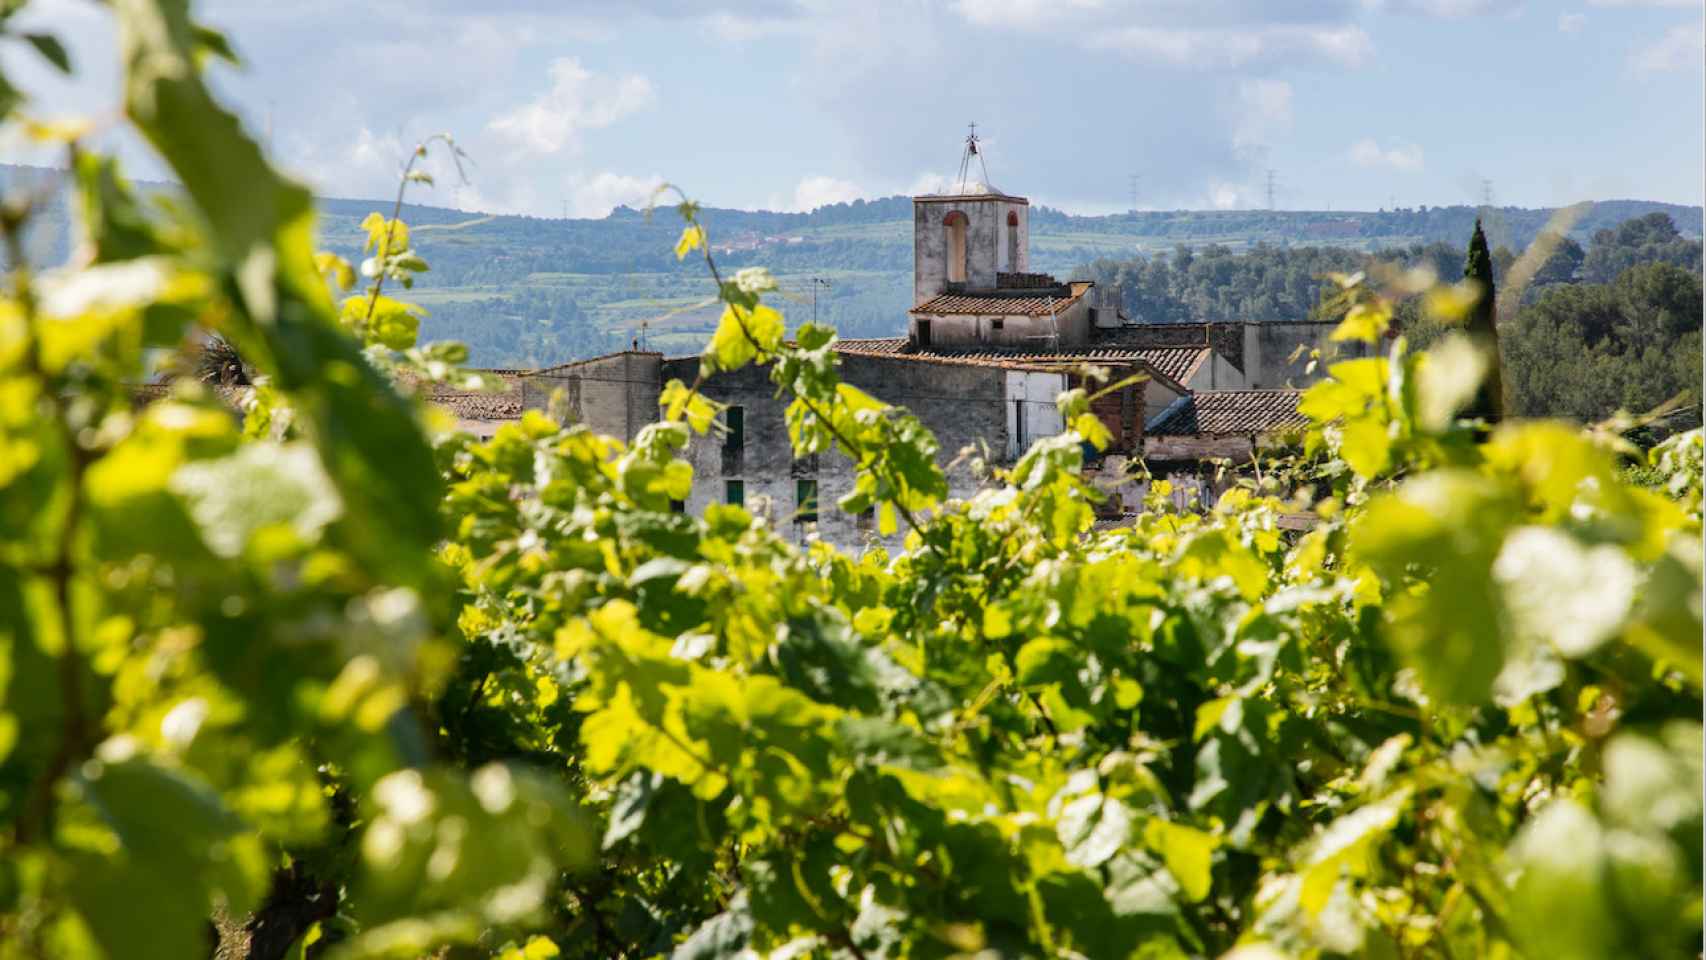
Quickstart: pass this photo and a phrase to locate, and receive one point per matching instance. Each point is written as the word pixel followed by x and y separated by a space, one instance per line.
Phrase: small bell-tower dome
pixel 965 235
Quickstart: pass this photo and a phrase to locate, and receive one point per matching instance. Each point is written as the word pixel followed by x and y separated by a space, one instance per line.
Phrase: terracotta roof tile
pixel 1005 361
pixel 997 306
pixel 478 405
pixel 874 345
pixel 901 348
pixel 1178 363
pixel 1230 412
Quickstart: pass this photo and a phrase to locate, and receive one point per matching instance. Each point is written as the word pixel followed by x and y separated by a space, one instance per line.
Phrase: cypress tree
pixel 1483 328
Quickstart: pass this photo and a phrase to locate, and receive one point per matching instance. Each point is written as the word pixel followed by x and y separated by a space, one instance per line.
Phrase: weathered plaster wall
pixel 985 239
pixel 1064 330
pixel 1156 397
pixel 1216 373
pixel 1228 339
pixel 1031 412
pixel 960 403
pixel 614 395
pixel 1277 353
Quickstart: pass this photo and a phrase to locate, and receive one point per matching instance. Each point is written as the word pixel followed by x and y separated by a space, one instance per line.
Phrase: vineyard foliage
pixel 329 679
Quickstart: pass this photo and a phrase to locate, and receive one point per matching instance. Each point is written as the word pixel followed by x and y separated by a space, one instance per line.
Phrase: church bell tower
pixel 967 235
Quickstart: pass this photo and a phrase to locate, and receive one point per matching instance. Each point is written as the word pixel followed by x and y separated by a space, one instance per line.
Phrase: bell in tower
pixel 966 235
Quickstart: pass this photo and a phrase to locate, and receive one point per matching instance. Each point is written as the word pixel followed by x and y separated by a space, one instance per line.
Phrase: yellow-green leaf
pixel 1188 853
pixel 692 238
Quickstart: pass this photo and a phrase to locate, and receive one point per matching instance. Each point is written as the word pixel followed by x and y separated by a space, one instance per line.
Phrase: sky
pixel 575 107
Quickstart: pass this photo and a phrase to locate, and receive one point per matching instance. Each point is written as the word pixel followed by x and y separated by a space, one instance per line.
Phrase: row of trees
pixel 1615 325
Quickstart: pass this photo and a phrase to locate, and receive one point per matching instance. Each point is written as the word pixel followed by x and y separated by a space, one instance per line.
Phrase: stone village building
pixel 988 346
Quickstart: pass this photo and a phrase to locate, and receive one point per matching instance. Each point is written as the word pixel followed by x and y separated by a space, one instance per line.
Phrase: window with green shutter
pixel 805 494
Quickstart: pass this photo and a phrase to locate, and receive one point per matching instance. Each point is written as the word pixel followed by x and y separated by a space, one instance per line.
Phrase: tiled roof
pixel 478 405
pixel 1230 413
pixel 1178 363
pixel 1004 361
pixel 584 360
pixel 899 347
pixel 876 345
pixel 996 306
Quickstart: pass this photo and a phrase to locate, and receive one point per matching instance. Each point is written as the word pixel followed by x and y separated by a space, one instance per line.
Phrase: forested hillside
pixel 1612 324
pixel 528 291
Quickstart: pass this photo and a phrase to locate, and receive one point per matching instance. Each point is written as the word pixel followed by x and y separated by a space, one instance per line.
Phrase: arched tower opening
pixel 1012 241
pixel 954 229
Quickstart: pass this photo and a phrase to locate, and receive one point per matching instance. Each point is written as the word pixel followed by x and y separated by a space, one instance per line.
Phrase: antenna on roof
pixel 970 151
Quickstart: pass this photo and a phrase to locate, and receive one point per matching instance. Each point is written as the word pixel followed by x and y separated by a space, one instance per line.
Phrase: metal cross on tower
pixel 970 151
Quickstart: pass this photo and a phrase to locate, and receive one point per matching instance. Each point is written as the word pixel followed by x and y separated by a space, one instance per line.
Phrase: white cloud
pixel 596 195
pixel 1224 196
pixel 1023 13
pixel 1348 45
pixel 1447 9
pixel 578 100
pixel 926 183
pixel 1571 22
pixel 1681 48
pixel 583 195
pixel 1179 34
pixel 1265 111
pixel 814 192
pixel 1399 156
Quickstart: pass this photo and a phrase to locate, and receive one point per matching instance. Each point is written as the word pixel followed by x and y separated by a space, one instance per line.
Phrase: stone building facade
pixel 988 348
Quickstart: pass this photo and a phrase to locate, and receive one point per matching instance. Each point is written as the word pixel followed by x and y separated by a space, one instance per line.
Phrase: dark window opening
pixel 678 506
pixel 735 493
pixel 805 493
pixel 996 324
pixel 736 420
pixel 923 334
pixel 1012 242
pixel 734 441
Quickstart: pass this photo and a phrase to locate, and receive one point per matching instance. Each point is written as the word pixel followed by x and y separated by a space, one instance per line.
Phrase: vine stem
pixel 854 449
pixel 74 741
pixel 397 212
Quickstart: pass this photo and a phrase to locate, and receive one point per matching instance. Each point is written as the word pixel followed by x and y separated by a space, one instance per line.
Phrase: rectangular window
pixel 678 506
pixel 805 494
pixel 735 492
pixel 996 323
pixel 734 440
pixel 923 334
